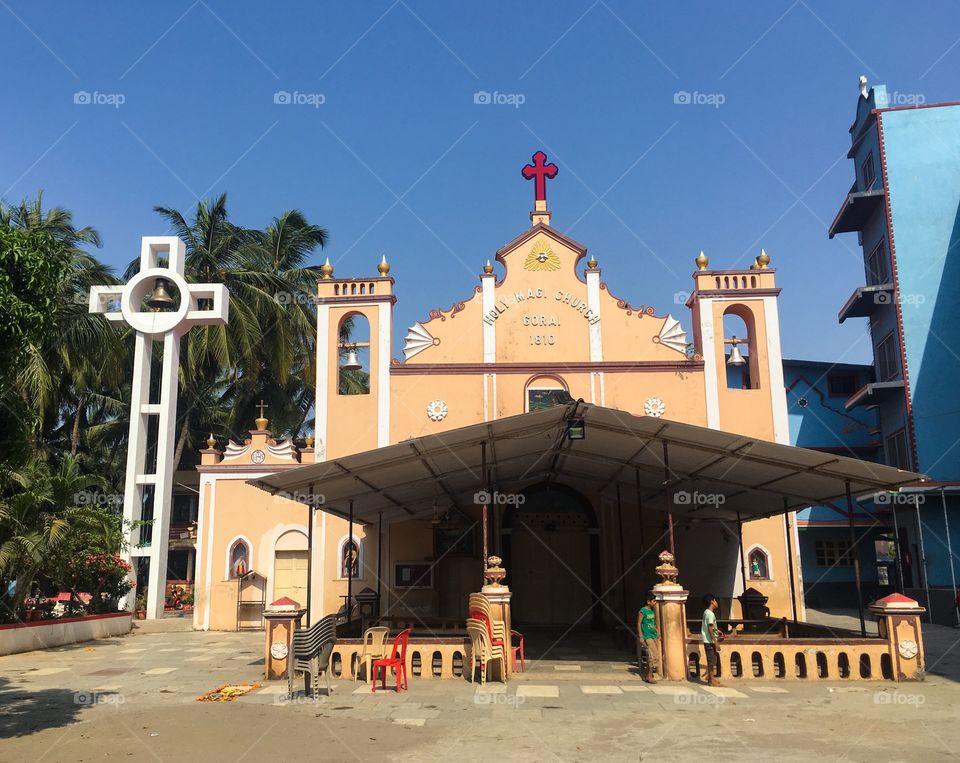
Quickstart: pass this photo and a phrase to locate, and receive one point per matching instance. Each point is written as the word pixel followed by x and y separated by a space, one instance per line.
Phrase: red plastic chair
pixel 480 615
pixel 397 661
pixel 515 649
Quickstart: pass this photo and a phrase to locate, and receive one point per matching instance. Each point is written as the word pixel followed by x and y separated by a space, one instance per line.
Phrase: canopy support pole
pixel 623 563
pixel 483 476
pixel 666 481
pixel 310 518
pixel 643 543
pixel 350 569
pixel 379 555
pixel 898 562
pixel 856 559
pixel 922 570
pixel 953 574
pixel 743 561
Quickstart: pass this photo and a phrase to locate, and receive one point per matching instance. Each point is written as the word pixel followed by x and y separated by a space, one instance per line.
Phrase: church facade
pixel 539 328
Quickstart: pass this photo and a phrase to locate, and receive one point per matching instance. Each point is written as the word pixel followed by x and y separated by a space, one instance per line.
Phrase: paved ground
pixel 135 697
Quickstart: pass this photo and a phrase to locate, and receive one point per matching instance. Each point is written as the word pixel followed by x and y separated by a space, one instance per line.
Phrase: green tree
pixel 35 524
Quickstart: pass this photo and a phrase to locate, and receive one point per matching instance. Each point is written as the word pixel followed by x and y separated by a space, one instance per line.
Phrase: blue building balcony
pixel 856 209
pixel 874 393
pixel 865 300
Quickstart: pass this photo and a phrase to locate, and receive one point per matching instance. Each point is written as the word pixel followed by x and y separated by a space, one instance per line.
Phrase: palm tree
pixel 266 350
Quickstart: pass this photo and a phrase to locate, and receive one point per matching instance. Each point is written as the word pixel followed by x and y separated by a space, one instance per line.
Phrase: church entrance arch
pixel 551 549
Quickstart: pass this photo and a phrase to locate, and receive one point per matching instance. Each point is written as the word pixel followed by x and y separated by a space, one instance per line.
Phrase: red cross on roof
pixel 539 171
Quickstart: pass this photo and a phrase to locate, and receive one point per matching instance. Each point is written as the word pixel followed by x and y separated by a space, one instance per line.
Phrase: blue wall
pixel 923 177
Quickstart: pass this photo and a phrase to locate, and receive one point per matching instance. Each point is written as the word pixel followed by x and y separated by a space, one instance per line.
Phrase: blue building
pixel 816 396
pixel 904 206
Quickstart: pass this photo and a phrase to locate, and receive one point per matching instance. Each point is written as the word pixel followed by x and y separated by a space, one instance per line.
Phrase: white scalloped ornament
pixel 437 410
pixel 654 407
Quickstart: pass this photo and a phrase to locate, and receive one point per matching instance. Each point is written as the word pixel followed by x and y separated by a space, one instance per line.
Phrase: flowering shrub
pixel 104 576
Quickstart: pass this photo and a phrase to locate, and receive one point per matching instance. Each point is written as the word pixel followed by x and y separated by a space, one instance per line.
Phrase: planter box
pixel 44 634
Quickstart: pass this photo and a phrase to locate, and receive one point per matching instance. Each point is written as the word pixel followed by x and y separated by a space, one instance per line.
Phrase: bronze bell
pixel 736 357
pixel 160 298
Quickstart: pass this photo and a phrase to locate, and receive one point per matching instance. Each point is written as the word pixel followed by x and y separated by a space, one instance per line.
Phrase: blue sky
pixel 398 159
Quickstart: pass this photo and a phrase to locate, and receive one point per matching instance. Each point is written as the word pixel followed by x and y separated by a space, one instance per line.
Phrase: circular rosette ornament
pixel 437 410
pixel 654 407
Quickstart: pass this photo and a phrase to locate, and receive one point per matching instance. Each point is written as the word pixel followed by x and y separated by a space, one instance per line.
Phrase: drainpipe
pixel 953 576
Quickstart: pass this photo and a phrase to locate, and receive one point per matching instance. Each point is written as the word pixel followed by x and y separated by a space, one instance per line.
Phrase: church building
pixel 545 332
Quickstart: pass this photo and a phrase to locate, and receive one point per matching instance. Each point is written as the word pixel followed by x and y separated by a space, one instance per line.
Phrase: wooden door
pixel 550 577
pixel 290 576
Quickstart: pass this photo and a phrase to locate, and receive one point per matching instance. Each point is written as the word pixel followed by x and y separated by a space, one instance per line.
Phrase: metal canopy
pixel 692 471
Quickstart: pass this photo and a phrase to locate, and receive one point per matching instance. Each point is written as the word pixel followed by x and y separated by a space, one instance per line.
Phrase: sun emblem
pixel 541 257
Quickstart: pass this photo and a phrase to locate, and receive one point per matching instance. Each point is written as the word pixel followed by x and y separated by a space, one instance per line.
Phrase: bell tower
pixel 736 330
pixel 354 322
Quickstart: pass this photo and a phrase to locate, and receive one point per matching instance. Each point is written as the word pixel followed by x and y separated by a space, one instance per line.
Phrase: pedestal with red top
pixel 281 620
pixel 898 619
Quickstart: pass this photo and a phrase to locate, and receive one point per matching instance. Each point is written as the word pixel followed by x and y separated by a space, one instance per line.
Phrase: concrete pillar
pixel 672 619
pixel 282 620
pixel 898 620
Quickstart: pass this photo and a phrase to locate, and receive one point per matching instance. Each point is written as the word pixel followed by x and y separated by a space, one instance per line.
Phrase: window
pixel 239 559
pixel 877 270
pixel 832 553
pixel 350 559
pixel 759 564
pixel 546 391
pixel 842 384
pixel 897 454
pixel 867 172
pixel 888 364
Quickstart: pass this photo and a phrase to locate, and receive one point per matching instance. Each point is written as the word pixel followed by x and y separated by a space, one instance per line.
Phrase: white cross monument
pixel 149 480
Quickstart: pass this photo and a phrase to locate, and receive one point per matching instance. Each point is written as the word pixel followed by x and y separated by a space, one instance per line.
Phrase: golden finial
pixel 326 269
pixel 488 268
pixel 211 442
pixel 592 263
pixel 763 259
pixel 384 266
pixel 701 261
pixel 754 265
pixel 308 440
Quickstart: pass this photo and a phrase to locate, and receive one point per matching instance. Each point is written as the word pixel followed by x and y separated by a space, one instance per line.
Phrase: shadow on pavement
pixel 24 711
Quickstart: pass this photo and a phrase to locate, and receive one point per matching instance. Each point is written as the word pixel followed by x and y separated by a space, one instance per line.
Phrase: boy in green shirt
pixel 711 637
pixel 649 638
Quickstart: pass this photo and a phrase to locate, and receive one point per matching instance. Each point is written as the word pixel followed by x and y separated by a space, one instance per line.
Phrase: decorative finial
pixel 763 259
pixel 308 440
pixel 488 268
pixel 754 265
pixel 326 269
pixel 592 262
pixel 702 261
pixel 863 86
pixel 262 421
pixel 384 266
pixel 211 442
